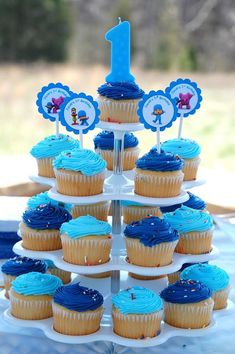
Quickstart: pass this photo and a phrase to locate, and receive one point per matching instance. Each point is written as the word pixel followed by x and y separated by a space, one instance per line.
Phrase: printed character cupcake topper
pixel 157 111
pixel 79 113
pixel 187 97
pixel 49 101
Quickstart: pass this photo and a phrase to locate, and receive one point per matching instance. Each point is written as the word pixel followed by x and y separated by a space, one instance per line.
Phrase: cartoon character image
pixel 74 116
pixel 184 100
pixel 49 107
pixel 157 112
pixel 57 103
pixel 83 118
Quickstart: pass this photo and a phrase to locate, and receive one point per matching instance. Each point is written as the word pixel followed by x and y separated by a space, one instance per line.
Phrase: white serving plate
pixel 4 302
pixel 43 180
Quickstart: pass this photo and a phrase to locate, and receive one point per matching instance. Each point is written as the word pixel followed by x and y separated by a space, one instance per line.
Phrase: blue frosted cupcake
pixel 158 175
pixel 104 145
pixel 193 202
pixel 31 295
pixel 81 236
pixel 20 265
pixel 79 172
pixel 43 198
pixel 47 149
pixel 173 277
pixel 189 151
pixel 150 242
pixel 134 211
pixel 215 278
pixel 187 304
pixel 118 102
pixel 77 310
pixel 137 313
pixel 60 273
pixel 40 227
pixel 195 228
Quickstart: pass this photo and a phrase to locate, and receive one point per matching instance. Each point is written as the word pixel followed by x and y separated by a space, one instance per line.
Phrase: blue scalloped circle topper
pixel 79 112
pixel 156 110
pixel 186 95
pixel 50 99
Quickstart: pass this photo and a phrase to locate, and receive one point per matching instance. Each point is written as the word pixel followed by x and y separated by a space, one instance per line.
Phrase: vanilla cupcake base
pixel 130 155
pixel 8 279
pixel 158 184
pixel 137 326
pixel 62 274
pixel 45 167
pixel 220 298
pixel 135 213
pixel 190 168
pixel 195 242
pixel 146 277
pixel 99 210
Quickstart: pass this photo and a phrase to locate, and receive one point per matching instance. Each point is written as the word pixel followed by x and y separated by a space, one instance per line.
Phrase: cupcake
pixel 195 228
pixel 173 277
pixel 20 265
pixel 150 242
pixel 104 145
pixel 40 227
pixel 133 211
pixel 43 198
pixel 79 172
pixel 118 102
pixel 47 149
pixel 77 310
pixel 137 313
pixel 158 175
pixel 189 151
pixel 60 273
pixel 187 304
pixel 86 241
pixel 193 202
pixel 215 278
pixel 31 295
pixel 99 210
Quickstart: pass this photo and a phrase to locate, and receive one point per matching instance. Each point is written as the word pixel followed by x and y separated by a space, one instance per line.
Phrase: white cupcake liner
pixel 7 283
pixel 99 210
pixel 220 298
pixel 190 168
pixel 74 315
pixel 45 167
pixel 130 156
pixel 60 273
pixel 195 242
pixel 135 213
pixel 173 277
pixel 118 111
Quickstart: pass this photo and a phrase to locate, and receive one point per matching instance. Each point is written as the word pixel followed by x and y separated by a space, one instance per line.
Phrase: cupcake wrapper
pixel 133 213
pixel 173 277
pixel 137 326
pixel 99 275
pixel 45 167
pixel 7 283
pixel 129 158
pixel 86 250
pixel 145 277
pixel 76 323
pixel 193 315
pixel 195 242
pixel 190 168
pixel 30 307
pixel 220 298
pixel 77 184
pixel 118 111
pixel 100 210
pixel 62 274
pixel 159 184
pixel 36 240
pixel 156 256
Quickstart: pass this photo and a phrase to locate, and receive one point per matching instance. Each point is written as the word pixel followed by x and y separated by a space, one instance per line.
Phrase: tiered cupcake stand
pixel 117 188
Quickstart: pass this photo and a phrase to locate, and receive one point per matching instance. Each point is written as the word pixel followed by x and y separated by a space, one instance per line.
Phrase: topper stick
pixel 57 126
pixel 158 140
pixel 180 126
pixel 81 138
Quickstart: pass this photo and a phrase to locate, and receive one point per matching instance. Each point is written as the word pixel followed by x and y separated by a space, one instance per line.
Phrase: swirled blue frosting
pixel 193 202
pixel 186 292
pixel 105 140
pixel 151 231
pixel 43 198
pixel 46 217
pixel 78 298
pixel 186 265
pixel 164 161
pixel 212 276
pixel 137 300
pixel 121 90
pixel 185 148
pixel 52 146
pixel 82 160
pixel 187 219
pixel 35 283
pixel 21 265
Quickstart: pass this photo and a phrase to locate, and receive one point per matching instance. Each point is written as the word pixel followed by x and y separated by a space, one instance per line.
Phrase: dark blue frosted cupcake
pixel 40 227
pixel 158 175
pixel 187 304
pixel 104 145
pixel 77 310
pixel 194 202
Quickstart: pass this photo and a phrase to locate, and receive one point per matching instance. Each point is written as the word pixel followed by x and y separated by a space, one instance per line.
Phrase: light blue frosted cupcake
pixel 134 211
pixel 137 313
pixel 47 149
pixel 43 198
pixel 189 151
pixel 31 295
pixel 215 278
pixel 86 241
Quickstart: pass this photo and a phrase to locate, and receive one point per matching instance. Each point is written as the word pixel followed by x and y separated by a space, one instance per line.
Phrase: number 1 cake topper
pixel 187 97
pixel 50 99
pixel 79 113
pixel 157 111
